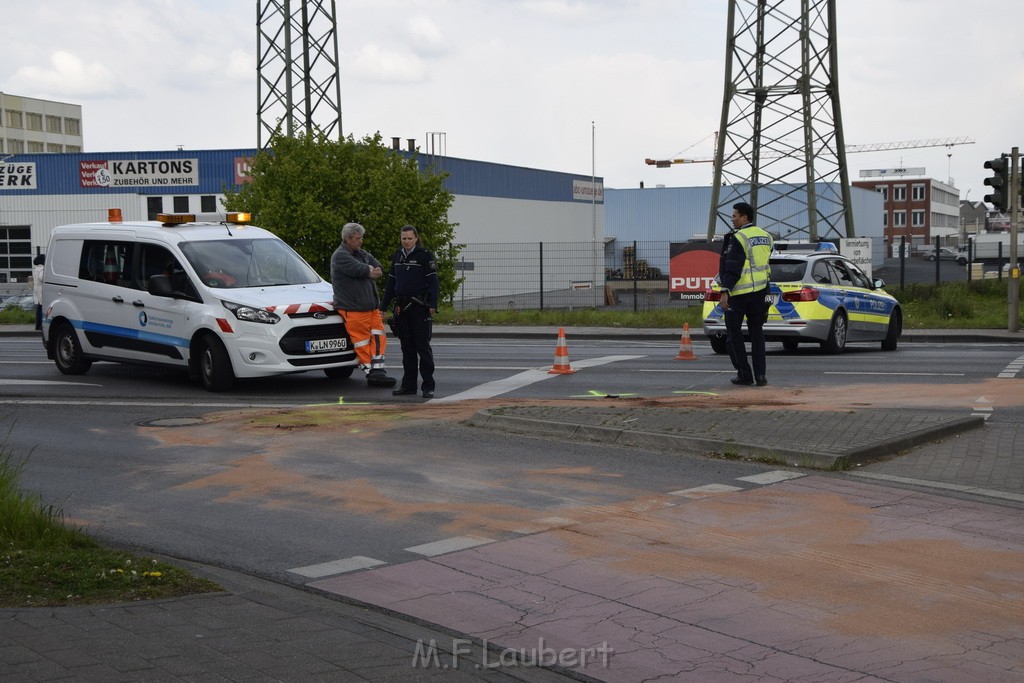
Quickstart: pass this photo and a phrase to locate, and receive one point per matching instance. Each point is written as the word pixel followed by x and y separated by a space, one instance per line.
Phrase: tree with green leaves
pixel 304 189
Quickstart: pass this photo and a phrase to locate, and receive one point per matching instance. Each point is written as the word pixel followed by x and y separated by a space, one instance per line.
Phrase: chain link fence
pixel 563 275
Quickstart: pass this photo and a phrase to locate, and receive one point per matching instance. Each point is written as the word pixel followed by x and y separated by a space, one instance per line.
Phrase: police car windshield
pixel 233 263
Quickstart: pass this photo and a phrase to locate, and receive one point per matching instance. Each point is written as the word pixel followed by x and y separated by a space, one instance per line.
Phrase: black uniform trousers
pixel 754 308
pixel 414 327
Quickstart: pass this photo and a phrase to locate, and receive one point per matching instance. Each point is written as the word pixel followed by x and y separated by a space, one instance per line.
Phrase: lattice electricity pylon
pixel 298 86
pixel 781 146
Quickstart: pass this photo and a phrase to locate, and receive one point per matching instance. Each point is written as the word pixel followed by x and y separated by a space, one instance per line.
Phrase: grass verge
pixel 980 304
pixel 46 562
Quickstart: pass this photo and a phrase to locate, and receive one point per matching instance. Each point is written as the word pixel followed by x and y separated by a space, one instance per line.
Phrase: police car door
pixel 161 322
pixel 858 308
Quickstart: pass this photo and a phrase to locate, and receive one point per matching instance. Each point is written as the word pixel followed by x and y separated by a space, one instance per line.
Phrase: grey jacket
pixel 350 276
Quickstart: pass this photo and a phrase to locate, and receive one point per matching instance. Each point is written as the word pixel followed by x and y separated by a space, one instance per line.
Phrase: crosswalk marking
pixel 449 545
pixel 348 564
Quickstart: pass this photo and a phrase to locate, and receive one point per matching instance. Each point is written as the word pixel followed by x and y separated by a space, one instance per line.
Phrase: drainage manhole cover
pixel 176 422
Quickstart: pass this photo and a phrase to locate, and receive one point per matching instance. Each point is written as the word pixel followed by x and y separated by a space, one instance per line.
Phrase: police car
pixel 817 296
pixel 220 299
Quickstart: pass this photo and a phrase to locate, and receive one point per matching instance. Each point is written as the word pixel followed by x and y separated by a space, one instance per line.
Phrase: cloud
pixel 67 76
pixel 374 63
pixel 424 37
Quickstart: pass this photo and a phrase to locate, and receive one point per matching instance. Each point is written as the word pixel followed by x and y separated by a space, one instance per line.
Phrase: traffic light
pixel 999 182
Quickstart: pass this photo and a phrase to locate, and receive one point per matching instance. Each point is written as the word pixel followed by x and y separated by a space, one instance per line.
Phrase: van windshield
pixel 233 263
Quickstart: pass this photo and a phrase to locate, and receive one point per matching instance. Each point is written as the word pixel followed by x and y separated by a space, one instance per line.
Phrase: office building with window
pixel 918 210
pixel 33 126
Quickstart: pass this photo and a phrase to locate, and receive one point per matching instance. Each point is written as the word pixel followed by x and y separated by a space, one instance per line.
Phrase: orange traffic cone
pixel 561 365
pixel 685 345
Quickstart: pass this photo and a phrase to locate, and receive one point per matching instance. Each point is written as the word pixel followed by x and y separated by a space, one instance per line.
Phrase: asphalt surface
pixel 718 609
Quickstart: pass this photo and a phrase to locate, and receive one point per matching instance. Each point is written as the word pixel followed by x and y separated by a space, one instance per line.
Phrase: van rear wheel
pixel 214 364
pixel 67 351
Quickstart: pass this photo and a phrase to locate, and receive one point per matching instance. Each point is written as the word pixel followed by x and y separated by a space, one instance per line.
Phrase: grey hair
pixel 350 230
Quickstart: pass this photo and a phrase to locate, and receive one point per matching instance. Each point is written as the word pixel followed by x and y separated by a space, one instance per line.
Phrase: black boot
pixel 378 378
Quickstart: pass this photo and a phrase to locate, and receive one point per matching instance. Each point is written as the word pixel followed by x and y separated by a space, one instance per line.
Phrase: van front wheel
pixel 214 364
pixel 67 351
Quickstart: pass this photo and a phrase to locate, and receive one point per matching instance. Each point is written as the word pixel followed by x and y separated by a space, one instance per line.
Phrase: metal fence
pixel 563 275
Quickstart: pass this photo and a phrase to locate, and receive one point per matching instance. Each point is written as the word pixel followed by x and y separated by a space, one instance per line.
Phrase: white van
pixel 221 299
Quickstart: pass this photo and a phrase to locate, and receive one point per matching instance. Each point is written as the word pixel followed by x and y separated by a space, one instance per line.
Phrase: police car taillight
pixel 802 294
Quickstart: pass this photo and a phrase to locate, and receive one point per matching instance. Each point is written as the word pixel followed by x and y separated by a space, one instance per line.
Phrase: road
pixel 147 458
pixel 517 538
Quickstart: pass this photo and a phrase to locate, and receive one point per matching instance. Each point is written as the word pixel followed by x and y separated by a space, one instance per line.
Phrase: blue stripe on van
pixel 128 333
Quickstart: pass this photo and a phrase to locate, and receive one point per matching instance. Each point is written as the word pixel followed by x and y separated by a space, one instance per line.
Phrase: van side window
pixel 107 261
pixel 157 260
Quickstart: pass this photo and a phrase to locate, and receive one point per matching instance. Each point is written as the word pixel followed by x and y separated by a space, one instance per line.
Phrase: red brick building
pixel 917 209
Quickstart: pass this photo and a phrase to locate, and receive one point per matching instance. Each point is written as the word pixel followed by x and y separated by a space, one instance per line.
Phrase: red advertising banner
pixel 691 268
pixel 242 170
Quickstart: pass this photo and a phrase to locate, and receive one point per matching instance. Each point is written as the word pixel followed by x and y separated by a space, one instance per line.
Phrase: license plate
pixel 320 345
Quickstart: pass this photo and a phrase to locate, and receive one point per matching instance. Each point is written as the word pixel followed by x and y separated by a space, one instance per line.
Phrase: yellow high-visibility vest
pixel 757 246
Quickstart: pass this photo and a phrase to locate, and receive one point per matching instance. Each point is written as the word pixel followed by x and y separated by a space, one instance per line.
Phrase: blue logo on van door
pixel 143 319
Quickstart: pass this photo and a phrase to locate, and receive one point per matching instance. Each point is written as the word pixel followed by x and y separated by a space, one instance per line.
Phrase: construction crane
pixel 850 149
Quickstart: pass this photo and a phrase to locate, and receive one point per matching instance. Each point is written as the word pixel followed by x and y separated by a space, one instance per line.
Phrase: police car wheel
pixel 67 351
pixel 214 364
pixel 836 335
pixel 339 373
pixel 892 333
pixel 718 344
pixel 790 344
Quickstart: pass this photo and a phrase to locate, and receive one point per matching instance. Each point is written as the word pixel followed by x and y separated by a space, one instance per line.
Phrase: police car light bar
pixel 805 247
pixel 239 217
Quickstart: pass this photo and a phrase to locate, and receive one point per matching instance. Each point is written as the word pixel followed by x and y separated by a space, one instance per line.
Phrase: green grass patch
pixel 13 315
pixel 49 576
pixel 980 304
pixel 44 561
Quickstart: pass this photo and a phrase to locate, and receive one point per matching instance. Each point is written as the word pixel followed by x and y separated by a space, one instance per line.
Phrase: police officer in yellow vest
pixel 743 274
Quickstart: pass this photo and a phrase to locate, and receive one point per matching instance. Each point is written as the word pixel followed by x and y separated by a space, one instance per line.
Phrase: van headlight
pixel 252 315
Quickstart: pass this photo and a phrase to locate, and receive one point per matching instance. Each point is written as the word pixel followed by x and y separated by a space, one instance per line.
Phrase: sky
pixel 579 86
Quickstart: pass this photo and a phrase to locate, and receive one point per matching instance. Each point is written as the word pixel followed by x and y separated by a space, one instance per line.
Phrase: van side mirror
pixel 160 285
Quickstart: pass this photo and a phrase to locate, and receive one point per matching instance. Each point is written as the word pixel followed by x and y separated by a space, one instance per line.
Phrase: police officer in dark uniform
pixel 414 287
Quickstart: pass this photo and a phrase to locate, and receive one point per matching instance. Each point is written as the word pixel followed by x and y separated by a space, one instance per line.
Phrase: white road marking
pixel 772 477
pixel 1011 370
pixel 706 490
pixel 21 382
pixel 348 564
pixel 449 545
pixel 900 374
pixel 523 379
pixel 172 404
pixel 964 488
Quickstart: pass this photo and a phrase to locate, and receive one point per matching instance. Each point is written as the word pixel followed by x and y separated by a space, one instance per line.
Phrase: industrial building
pixel 33 126
pixel 544 237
